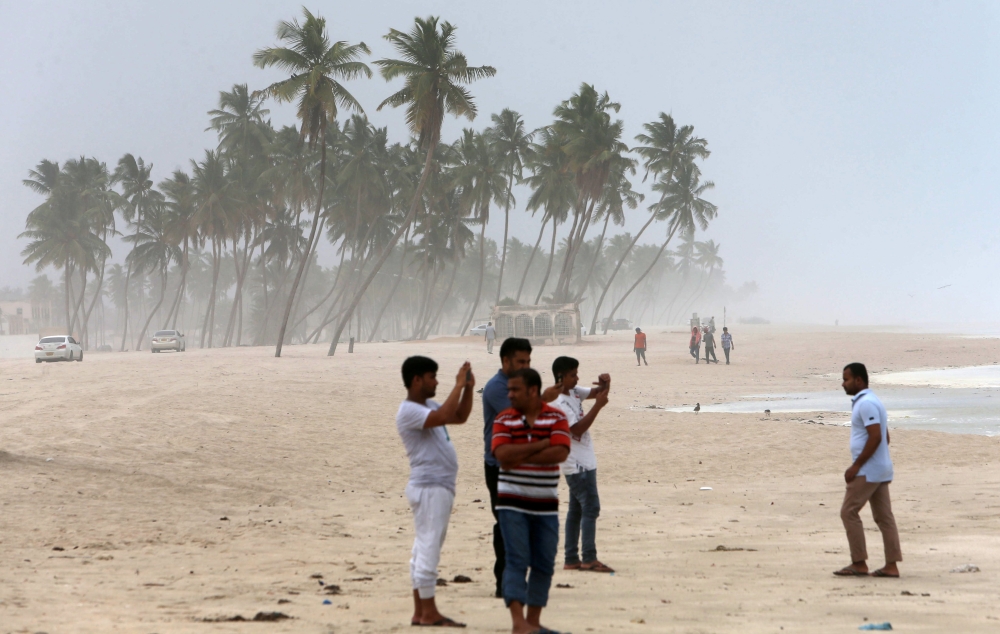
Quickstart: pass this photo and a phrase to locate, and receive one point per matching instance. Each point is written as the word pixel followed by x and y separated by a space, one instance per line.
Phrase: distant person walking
pixel 695 344
pixel 868 477
pixel 491 336
pixel 420 422
pixel 709 340
pixel 515 354
pixel 727 343
pixel 640 346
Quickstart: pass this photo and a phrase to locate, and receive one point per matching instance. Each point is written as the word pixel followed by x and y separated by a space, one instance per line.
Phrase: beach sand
pixel 147 493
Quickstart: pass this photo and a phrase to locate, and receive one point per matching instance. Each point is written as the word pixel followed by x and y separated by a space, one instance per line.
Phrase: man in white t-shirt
pixel 580 468
pixel 868 477
pixel 421 422
pixel 491 337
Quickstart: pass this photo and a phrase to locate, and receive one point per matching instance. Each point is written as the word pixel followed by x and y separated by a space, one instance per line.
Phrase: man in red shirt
pixel 640 346
pixel 530 440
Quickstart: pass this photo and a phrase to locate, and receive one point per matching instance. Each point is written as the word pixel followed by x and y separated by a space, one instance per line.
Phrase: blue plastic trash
pixel 329 602
pixel 876 626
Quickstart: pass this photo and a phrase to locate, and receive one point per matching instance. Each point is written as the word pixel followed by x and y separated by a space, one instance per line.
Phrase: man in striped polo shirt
pixel 530 440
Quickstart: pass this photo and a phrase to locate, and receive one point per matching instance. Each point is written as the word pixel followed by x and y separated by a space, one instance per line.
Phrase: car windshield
pixel 53 340
pixel 165 333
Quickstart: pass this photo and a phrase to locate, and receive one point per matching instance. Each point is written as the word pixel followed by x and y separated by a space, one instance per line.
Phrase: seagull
pixel 767 411
pixel 697 407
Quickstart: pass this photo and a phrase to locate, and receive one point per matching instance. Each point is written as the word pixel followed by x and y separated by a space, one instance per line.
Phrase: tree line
pixel 229 247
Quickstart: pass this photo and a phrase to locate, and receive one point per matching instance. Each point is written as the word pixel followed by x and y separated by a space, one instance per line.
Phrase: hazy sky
pixel 854 144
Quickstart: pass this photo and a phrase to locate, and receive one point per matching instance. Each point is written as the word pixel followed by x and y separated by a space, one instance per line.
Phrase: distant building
pixel 24 317
pixel 541 324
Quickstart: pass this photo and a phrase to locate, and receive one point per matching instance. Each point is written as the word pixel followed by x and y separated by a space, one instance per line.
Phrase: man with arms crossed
pixel 433 470
pixel 580 468
pixel 868 478
pixel 515 354
pixel 529 440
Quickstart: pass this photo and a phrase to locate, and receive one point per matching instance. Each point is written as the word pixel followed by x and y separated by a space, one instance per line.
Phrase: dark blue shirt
pixel 494 401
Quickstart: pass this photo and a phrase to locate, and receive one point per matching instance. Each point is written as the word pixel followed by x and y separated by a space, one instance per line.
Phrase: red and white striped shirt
pixel 530 488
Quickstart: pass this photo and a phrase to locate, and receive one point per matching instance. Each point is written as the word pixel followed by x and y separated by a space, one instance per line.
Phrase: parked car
pixel 619 324
pixel 478 331
pixel 61 348
pixel 168 340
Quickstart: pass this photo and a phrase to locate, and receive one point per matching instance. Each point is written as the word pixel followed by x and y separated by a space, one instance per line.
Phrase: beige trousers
pixel 859 492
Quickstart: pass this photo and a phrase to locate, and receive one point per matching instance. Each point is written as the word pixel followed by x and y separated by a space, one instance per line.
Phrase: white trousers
pixel 431 513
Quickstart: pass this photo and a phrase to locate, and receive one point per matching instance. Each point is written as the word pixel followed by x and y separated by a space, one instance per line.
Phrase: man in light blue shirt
pixel 868 477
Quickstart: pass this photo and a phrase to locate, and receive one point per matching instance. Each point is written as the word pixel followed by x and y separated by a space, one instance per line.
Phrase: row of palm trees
pixel 259 203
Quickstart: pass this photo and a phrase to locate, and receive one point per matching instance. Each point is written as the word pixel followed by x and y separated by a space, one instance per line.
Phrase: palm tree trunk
pixel 531 259
pixel 231 322
pixel 641 277
pixel 93 302
pixel 388 248
pixel 181 286
pixel 479 286
pixel 66 285
pixel 552 254
pixel 593 260
pixel 607 285
pixel 395 285
pixel 211 300
pixel 425 317
pixel 440 311
pixel 309 246
pixel 578 242
pixel 296 320
pixel 263 277
pixel 152 313
pixel 673 299
pixel 333 287
pixel 506 222
pixel 577 213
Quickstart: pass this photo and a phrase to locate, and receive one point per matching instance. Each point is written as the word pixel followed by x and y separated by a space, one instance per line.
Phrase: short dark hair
pixel 858 371
pixel 638 329
pixel 512 345
pixel 562 365
pixel 417 366
pixel 530 377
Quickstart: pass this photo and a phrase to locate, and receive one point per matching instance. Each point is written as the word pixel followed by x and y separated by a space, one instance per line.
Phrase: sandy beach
pixel 150 493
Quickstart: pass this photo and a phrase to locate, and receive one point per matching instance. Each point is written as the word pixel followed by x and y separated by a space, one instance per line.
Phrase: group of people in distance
pixel 706 335
pixel 531 434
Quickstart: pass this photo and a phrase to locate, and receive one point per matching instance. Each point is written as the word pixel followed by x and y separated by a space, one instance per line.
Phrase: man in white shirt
pixel 421 422
pixel 491 336
pixel 580 468
pixel 868 477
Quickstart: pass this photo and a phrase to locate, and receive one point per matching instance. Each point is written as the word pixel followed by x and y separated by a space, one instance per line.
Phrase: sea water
pixel 956 400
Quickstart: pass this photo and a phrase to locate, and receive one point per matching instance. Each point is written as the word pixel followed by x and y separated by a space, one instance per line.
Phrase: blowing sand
pixel 148 493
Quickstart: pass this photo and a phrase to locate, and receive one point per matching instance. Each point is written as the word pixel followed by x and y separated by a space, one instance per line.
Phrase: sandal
pixel 575 566
pixel 883 574
pixel 596 566
pixel 444 622
pixel 847 571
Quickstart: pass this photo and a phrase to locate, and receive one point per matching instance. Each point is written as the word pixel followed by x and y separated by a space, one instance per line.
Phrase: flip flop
pixel 445 622
pixel 571 566
pixel 883 574
pixel 850 572
pixel 596 566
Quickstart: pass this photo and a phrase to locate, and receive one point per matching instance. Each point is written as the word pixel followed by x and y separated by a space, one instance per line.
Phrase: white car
pixel 478 331
pixel 61 348
pixel 168 340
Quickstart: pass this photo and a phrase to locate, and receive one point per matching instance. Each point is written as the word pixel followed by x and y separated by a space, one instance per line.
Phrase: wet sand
pixel 147 493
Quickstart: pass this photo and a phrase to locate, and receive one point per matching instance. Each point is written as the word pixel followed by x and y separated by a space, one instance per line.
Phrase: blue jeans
pixel 584 509
pixel 530 541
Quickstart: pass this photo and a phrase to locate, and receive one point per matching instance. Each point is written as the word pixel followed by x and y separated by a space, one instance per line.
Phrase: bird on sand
pixel 697 407
pixel 767 411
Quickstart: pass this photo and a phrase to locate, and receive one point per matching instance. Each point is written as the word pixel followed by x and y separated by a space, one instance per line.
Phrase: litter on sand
pixel 876 626
pixel 706 488
pixel 966 568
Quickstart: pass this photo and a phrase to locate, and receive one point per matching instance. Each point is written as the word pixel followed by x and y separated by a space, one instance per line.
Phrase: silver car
pixel 168 340
pixel 61 348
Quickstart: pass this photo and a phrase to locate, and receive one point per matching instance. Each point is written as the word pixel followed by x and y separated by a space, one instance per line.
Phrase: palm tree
pixel 181 208
pixel 591 141
pixel 688 211
pixel 512 145
pixel 706 256
pixel 665 148
pixel 480 177
pixel 213 206
pixel 138 196
pixel 316 66
pixel 152 250
pixel 433 71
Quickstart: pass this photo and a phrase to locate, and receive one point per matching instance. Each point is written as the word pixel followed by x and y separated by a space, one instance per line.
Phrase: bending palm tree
pixel 433 71
pixel 316 66
pixel 152 250
pixel 688 211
